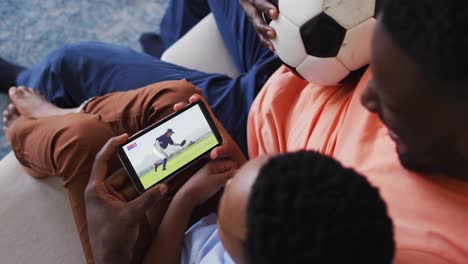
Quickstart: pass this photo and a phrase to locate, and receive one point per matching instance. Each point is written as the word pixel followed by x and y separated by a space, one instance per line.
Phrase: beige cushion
pixel 37 225
pixel 36 221
pixel 202 48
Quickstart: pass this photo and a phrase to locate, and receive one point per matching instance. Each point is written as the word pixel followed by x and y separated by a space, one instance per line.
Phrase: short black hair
pixel 307 208
pixel 433 33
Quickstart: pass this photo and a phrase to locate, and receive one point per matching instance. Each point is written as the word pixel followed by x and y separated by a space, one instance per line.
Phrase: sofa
pixel 37 224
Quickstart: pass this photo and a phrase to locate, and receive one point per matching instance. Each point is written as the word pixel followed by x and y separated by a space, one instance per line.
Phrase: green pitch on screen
pixel 178 161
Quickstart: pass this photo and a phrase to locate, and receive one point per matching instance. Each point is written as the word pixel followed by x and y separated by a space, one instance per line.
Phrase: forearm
pixel 112 257
pixel 167 245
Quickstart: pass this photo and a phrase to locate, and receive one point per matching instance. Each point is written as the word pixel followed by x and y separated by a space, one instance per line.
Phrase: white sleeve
pixel 202 244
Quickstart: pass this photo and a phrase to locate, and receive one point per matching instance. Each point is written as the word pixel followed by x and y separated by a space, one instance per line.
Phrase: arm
pixel 167 245
pixel 181 144
pixel 113 223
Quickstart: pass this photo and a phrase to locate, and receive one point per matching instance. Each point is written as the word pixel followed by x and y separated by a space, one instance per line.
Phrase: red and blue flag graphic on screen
pixel 132 146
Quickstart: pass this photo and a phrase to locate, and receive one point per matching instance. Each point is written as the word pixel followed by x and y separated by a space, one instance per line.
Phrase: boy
pixel 293 208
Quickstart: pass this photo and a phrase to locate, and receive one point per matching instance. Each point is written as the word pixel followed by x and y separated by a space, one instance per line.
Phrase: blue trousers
pixel 70 75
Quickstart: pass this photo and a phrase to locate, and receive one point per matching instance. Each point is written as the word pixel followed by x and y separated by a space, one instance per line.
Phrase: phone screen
pixel 167 147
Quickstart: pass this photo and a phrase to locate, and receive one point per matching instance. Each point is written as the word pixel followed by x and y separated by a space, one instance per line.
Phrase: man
pixel 417 98
pixel 162 142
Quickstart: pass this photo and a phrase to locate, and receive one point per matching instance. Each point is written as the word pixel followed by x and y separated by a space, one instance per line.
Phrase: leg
pixel 180 17
pixel 74 73
pixel 70 142
pixel 9 72
pixel 78 72
pixel 164 164
pixel 241 38
pixel 67 149
pixel 236 30
pixel 155 165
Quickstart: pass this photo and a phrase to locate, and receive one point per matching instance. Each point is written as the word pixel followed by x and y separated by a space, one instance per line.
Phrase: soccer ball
pixel 324 41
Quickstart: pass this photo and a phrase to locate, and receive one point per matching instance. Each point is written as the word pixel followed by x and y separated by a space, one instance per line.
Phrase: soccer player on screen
pixel 160 145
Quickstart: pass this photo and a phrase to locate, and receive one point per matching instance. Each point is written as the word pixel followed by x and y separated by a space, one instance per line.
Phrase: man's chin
pixel 406 162
pixel 441 164
pixel 414 165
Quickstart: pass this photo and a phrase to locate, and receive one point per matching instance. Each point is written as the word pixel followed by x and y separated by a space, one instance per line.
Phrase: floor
pixel 30 29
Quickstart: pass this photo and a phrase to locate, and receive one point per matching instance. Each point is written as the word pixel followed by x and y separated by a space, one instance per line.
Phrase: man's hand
pixel 113 223
pixel 229 149
pixel 207 182
pixel 254 9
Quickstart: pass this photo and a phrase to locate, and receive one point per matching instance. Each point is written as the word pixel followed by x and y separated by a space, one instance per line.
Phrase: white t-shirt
pixel 202 244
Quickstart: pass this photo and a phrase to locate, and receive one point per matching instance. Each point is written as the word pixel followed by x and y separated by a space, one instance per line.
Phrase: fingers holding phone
pixel 229 149
pixel 208 181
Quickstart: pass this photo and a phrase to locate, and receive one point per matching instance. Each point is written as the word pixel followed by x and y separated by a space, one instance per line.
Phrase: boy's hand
pixel 207 181
pixel 113 223
pixel 254 9
pixel 229 149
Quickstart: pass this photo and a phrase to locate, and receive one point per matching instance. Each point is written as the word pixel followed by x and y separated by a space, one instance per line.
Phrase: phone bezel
pixel 127 164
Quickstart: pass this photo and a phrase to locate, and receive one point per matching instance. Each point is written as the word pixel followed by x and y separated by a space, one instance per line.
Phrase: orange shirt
pixel 430 213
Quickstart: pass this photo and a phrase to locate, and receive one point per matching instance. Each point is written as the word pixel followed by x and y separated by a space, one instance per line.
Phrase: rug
pixel 30 29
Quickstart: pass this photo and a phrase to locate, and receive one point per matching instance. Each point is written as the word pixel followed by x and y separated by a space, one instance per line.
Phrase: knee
pixel 88 134
pixel 69 53
pixel 77 144
pixel 175 92
pixel 161 97
pixel 183 91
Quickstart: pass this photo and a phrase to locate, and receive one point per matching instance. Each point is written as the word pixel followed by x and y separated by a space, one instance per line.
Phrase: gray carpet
pixel 30 29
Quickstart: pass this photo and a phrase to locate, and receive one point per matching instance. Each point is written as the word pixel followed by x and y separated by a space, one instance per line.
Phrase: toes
pixel 31 90
pixel 6 114
pixel 16 93
pixel 12 108
pixel 12 91
pixel 23 90
pixel 9 113
pixel 5 119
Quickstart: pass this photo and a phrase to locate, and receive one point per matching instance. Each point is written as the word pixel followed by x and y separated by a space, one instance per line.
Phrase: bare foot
pixel 30 103
pixel 10 115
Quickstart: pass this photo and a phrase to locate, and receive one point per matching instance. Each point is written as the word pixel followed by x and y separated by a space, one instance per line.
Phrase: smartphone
pixel 162 150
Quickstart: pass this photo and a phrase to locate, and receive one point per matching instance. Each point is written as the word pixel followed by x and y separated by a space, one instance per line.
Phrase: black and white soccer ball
pixel 324 41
